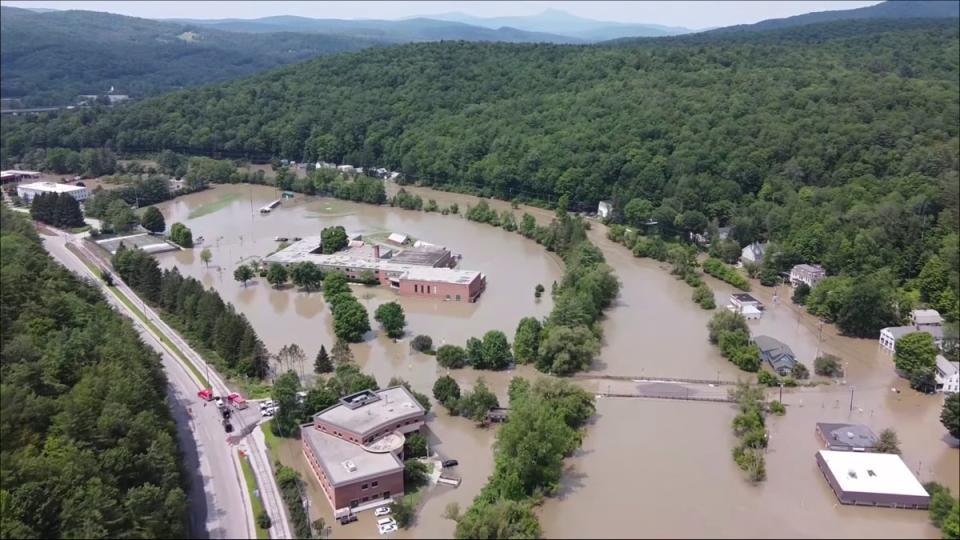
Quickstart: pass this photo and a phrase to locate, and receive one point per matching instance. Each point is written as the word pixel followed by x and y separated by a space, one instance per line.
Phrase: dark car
pixel 226 413
pixel 349 518
pixel 449 463
pixel 227 426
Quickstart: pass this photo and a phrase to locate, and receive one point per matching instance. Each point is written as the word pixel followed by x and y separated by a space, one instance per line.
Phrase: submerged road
pixel 219 504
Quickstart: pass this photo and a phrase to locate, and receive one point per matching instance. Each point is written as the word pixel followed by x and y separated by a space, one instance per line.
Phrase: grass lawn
pixel 78 230
pixel 215 206
pixel 331 207
pixel 273 443
pixel 255 501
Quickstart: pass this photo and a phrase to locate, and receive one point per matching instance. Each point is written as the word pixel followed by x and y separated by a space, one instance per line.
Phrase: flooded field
pixel 648 468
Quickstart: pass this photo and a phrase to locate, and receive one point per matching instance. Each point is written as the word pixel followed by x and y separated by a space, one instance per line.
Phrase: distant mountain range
pixel 560 22
pixel 396 31
pixel 48 57
pixel 918 9
pixel 51 57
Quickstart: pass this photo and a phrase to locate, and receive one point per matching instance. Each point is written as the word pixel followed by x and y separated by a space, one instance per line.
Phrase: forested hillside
pixel 837 141
pixel 87 445
pixel 51 58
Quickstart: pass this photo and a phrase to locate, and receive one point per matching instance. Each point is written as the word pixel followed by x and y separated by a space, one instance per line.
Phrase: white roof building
pixel 28 191
pixel 868 478
pixel 397 238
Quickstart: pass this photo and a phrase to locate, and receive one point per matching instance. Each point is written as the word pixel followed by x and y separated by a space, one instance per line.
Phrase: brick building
pixel 355 448
pixel 424 271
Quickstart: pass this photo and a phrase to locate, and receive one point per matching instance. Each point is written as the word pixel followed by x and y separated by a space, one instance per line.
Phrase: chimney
pixel 376 252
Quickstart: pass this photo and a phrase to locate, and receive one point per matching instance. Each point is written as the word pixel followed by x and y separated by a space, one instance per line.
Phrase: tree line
pixel 546 417
pixel 57 209
pixel 89 445
pixel 847 157
pixel 198 312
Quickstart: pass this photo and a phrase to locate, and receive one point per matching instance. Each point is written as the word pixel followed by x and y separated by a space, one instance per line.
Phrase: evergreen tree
pixel 322 363
pixel 152 220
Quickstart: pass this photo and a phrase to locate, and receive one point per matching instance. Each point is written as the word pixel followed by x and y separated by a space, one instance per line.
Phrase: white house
pixel 753 253
pixel 952 384
pixel 28 191
pixel 346 169
pixel 605 209
pixel 945 371
pixel 746 305
pixel 811 274
pixel 890 335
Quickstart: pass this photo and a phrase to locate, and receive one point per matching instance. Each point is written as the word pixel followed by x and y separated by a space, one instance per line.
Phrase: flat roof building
pixel 871 479
pixel 16 175
pixel 28 191
pixel 408 278
pixel 355 448
pixel 846 437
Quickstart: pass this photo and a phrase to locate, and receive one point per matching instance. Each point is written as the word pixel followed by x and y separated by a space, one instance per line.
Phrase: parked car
pixel 219 401
pixel 206 394
pixel 449 463
pixel 348 518
pixel 266 404
pixel 382 511
pixel 268 412
pixel 386 525
pixel 227 426
pixel 225 412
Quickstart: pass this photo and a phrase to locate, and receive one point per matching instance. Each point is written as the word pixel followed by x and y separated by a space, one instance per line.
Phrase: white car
pixel 267 412
pixel 382 511
pixel 219 401
pixel 386 525
pixel 266 404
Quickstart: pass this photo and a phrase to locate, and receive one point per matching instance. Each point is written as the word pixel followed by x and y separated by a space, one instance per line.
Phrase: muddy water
pixel 648 468
pixel 513 267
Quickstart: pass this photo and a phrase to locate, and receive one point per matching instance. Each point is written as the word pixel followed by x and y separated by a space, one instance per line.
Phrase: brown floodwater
pixel 647 467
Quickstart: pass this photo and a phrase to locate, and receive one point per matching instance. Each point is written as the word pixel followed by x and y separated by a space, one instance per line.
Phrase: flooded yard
pixel 648 468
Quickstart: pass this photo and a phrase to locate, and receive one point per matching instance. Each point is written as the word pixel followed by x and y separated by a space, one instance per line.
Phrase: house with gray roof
pixel 846 437
pixel 777 354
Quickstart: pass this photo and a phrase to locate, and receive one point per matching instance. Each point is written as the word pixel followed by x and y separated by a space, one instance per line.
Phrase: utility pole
pixel 851 397
pixel 781 392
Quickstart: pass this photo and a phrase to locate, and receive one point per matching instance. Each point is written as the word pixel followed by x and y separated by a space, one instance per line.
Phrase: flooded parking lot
pixel 647 468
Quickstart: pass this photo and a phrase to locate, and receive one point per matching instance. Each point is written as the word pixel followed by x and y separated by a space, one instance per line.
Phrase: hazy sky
pixel 689 14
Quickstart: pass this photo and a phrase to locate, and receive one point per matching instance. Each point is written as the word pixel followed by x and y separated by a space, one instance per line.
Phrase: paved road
pixel 247 435
pixel 219 505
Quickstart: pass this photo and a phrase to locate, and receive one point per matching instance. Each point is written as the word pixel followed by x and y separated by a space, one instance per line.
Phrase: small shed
pixel 397 238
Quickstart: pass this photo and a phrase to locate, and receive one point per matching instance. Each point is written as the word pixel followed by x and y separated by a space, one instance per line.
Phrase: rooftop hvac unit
pixel 350 466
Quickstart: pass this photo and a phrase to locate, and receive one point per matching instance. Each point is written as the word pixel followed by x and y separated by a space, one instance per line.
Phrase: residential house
pixel 811 274
pixel 605 209
pixel 846 437
pixel 746 305
pixel 775 353
pixel 753 253
pixel 951 385
pixel 926 317
pixel 945 369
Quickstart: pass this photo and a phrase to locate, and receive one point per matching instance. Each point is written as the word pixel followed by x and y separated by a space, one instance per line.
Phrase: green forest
pixel 51 58
pixel 838 142
pixel 87 442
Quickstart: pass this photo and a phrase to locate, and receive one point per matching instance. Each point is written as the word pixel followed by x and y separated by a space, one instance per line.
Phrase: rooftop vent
pixel 870 472
pixel 852 473
pixel 350 466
